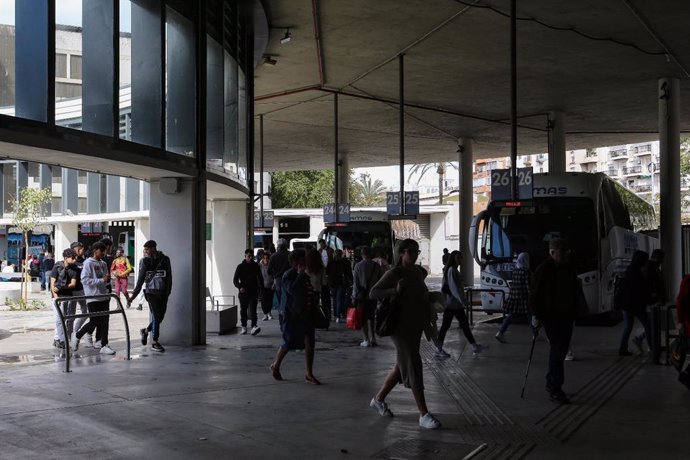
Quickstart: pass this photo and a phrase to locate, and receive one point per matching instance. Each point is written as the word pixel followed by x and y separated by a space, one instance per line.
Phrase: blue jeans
pixel 629 321
pixel 338 294
pixel 508 318
pixel 559 334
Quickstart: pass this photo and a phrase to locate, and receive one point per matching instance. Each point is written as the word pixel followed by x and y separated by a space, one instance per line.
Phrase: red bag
pixel 355 318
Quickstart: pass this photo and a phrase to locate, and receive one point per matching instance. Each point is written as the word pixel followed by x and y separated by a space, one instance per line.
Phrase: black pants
pixel 100 322
pixel 266 300
pixel 248 302
pixel 559 334
pixel 158 305
pixel 448 316
pixel 326 301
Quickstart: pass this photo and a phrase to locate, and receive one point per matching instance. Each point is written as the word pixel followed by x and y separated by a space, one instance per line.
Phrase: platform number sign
pixel 393 205
pixel 500 184
pixel 329 213
pixel 396 207
pixel 268 219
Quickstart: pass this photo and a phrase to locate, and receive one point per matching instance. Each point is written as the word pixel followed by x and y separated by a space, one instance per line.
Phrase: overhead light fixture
pixel 268 60
pixel 286 38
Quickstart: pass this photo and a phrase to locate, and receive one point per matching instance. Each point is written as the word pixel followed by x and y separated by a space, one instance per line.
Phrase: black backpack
pixel 61 280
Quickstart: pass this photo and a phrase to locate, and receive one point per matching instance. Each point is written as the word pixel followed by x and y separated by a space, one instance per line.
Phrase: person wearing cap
pixel 155 271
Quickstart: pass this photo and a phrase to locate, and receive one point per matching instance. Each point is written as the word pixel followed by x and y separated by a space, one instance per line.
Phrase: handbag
pixel 386 317
pixel 355 318
pixel 679 351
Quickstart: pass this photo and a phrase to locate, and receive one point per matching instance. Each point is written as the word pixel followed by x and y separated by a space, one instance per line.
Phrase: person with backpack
pixel 365 275
pixel 156 272
pixel 455 306
pixel 683 326
pixel 64 277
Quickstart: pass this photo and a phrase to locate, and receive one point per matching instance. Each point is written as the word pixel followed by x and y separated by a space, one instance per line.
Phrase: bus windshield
pixel 512 230
pixel 355 235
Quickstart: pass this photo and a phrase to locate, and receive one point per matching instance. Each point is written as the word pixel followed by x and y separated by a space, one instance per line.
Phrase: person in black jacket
pixel 636 293
pixel 248 280
pixel 553 302
pixel 155 271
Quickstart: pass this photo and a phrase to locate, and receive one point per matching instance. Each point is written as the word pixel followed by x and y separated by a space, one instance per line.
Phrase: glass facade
pixel 127 70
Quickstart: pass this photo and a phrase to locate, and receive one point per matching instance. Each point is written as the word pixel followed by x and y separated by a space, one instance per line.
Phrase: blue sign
pixel 411 203
pixel 500 184
pixel 267 221
pixel 329 211
pixel 393 205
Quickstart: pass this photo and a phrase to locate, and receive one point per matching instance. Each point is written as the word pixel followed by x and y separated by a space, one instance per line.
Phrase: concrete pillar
pixel 228 229
pixel 669 181
pixel 177 224
pixel 65 234
pixel 142 234
pixel 556 142
pixel 466 202
pixel 344 179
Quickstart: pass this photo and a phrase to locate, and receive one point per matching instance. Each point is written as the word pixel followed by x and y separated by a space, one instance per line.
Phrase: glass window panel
pixel 125 69
pixel 9 184
pixel 180 78
pixel 230 147
pixel 75 67
pixel 214 106
pixel 60 65
pixel 68 41
pixel 7 54
pixel 242 128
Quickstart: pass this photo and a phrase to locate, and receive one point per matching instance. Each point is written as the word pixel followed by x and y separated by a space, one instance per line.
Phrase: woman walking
pixel 455 306
pixel 635 295
pixel 518 296
pixel 266 287
pixel 297 302
pixel 405 283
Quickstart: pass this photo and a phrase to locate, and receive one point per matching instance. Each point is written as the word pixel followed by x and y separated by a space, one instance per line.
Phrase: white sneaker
pixel 88 340
pixel 364 343
pixel 106 350
pixel 429 421
pixel 441 353
pixel 337 320
pixel 381 407
pixel 243 331
pixel 270 317
pixel 97 345
pixel 255 330
pixel 75 342
pixel 476 348
pixel 570 356
pixel 265 318
pixel 500 337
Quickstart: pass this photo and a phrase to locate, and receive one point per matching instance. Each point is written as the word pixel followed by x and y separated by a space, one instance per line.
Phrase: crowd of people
pixel 91 276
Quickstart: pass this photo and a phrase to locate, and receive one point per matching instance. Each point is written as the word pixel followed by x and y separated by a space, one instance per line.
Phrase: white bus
pixel 600 219
pixel 366 228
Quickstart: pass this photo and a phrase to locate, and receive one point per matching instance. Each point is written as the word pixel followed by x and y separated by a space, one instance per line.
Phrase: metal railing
pixel 63 318
pixel 469 292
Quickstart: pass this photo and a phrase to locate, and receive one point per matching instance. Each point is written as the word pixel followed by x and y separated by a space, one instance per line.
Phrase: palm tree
pixel 369 192
pixel 441 168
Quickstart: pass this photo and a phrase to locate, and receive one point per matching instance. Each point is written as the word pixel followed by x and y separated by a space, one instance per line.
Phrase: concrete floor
pixel 219 400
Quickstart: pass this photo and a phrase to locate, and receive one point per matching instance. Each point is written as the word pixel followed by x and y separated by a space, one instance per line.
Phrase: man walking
pixel 63 279
pixel 248 280
pixel 553 301
pixel 366 274
pixel 155 271
pixel 96 278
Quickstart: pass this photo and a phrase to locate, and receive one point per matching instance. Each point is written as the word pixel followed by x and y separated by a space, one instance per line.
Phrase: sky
pixel 390 175
pixel 67 12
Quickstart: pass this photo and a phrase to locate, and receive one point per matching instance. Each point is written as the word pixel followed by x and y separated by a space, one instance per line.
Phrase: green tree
pixel 367 192
pixel 440 168
pixel 28 212
pixel 301 189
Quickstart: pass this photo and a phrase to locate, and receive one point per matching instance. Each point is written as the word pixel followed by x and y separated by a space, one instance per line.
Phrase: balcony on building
pixel 612 172
pixel 618 154
pixel 541 158
pixel 642 188
pixel 632 170
pixel 641 150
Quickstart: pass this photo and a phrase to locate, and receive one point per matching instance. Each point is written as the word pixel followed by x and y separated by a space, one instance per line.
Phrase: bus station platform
pixel 219 400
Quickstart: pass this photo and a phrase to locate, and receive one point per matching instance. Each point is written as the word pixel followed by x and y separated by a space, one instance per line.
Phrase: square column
pixel 228 230
pixel 65 234
pixel 177 224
